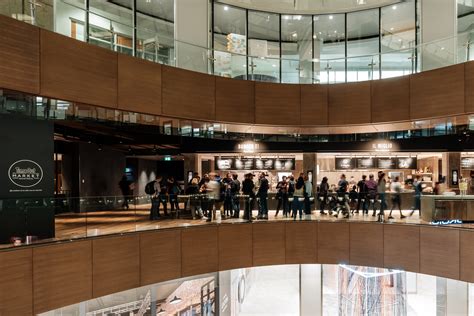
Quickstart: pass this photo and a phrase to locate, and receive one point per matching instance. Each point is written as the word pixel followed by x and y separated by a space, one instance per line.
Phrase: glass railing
pixel 156 44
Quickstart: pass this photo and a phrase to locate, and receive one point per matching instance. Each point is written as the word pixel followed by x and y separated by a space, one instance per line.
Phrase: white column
pixel 311 288
pixel 457 302
pixel 438 22
pixel 192 34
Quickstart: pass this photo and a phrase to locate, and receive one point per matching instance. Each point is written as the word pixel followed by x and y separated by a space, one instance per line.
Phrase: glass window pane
pixel 69 19
pixel 111 25
pixel 329 48
pixel 297 50
pixel 264 43
pixel 230 42
pixel 465 27
pixel 363 40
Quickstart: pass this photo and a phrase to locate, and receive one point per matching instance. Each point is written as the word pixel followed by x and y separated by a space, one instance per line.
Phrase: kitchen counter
pixel 447 207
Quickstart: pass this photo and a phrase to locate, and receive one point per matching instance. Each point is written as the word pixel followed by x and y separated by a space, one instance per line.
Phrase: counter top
pixel 448 197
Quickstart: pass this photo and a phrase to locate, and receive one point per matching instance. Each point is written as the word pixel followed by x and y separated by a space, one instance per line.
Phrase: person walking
pixel 418 190
pixel 282 197
pixel 235 190
pixel 194 199
pixel 396 189
pixel 125 187
pixel 323 195
pixel 153 189
pixel 371 187
pixel 298 198
pixel 381 189
pixel 362 198
pixel 248 190
pixel 263 195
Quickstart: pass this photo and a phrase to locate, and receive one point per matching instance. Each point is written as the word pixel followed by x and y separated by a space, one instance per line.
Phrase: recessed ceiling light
pixel 286 17
pixel 315 60
pixel 394 7
pixel 314 36
pixel 294 34
pixel 391 29
pixel 226 8
pixel 274 65
pixel 331 17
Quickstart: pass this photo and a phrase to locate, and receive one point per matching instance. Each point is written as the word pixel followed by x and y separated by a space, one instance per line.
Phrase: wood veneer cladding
pixel 402 247
pixel 366 244
pixel 438 92
pixel 235 100
pixel 301 242
pixel 116 264
pixel 19 56
pixel 235 246
pixel 268 244
pixel 314 104
pixel 160 256
pixel 188 94
pixel 199 251
pixel 349 103
pixel 16 282
pixel 333 243
pixel 62 275
pixel 75 71
pixel 278 104
pixel 469 86
pixel 391 99
pixel 139 85
pixel 439 252
pixel 467 256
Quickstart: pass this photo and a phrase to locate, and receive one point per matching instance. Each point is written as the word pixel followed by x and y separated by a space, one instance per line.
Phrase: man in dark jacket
pixel 263 195
pixel 235 189
pixel 247 189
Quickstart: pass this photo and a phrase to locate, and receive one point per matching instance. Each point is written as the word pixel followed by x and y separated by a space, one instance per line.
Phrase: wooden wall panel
pixel 268 244
pixel 439 252
pixel 391 99
pixel 333 242
pixel 16 282
pixel 402 247
pixel 235 100
pixel 437 92
pixel 75 71
pixel 314 104
pixel 366 244
pixel 188 94
pixel 467 255
pixel 160 256
pixel 199 251
pixel 301 242
pixel 19 56
pixel 278 104
pixel 62 275
pixel 139 85
pixel 349 103
pixel 235 246
pixel 116 264
pixel 469 86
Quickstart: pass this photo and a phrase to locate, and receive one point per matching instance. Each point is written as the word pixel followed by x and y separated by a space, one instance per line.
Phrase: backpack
pixel 150 188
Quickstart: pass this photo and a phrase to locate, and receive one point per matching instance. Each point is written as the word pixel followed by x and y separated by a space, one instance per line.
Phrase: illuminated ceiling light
pixel 394 7
pixel 175 300
pixel 226 8
pixel 442 48
pixel 148 1
pixel 274 65
pixel 315 60
pixel 331 17
pixel 286 17
pixel 298 17
pixel 294 34
pixel 314 36
pixel 335 31
pixel 391 29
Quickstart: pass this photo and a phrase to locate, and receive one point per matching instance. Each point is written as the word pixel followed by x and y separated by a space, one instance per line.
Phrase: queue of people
pixel 205 195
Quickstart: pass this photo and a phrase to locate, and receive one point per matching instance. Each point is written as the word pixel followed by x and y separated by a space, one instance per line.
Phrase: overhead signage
pixel 364 163
pixel 467 163
pixel 249 147
pixel 382 145
pixel 25 173
pixel 238 163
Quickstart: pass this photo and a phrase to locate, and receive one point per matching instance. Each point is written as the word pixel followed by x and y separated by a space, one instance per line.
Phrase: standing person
pixel 342 187
pixel 173 191
pixel 396 189
pixel 153 189
pixel 203 186
pixel 163 196
pixel 371 186
pixel 282 196
pixel 194 200
pixel 297 205
pixel 308 193
pixel 362 190
pixel 125 187
pixel 263 195
pixel 381 189
pixel 227 191
pixel 418 190
pixel 214 191
pixel 235 198
pixel 323 195
pixel 291 191
pixel 248 189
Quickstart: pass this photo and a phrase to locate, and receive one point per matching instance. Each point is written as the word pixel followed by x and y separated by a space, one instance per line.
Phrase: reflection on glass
pixel 362 40
pixel 296 54
pixel 230 42
pixel 329 41
pixel 69 19
pixel 264 46
pixel 465 26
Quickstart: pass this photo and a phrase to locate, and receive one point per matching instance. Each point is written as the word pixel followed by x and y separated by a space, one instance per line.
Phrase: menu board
pixel 386 163
pixel 407 163
pixel 467 163
pixel 237 163
pixel 365 163
pixel 345 163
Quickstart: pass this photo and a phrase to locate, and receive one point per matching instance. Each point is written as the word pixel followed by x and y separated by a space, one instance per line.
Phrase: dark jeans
pixel 397 201
pixel 362 204
pixel 174 202
pixel 282 204
pixel 163 199
pixel 323 201
pixel 236 206
pixel 383 203
pixel 297 206
pixel 263 204
pixel 227 204
pixel 155 209
pixel 249 203
pixel 307 204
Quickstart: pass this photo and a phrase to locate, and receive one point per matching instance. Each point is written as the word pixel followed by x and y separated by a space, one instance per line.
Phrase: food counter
pixel 447 207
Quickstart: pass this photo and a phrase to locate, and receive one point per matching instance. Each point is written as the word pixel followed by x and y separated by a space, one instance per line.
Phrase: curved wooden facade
pixel 44 277
pixel 40 62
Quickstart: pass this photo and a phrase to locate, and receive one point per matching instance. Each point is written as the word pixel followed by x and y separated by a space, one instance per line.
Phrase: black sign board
pixel 345 163
pixel 386 163
pixel 237 163
pixel 407 163
pixel 365 163
pixel 467 163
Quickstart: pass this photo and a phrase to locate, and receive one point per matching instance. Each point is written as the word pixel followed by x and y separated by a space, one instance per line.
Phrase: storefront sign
pixel 382 146
pixel 386 163
pixel 446 222
pixel 248 147
pixel 467 163
pixel 345 163
pixel 364 163
pixel 25 173
pixel 237 163
pixel 407 163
